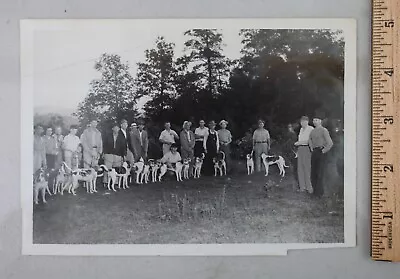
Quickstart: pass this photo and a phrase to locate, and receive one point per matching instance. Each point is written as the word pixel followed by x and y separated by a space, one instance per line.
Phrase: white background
pixel 323 263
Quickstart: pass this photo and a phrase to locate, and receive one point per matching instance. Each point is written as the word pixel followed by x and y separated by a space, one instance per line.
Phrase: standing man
pixel 51 151
pixel 261 143
pixel 304 156
pixel 320 143
pixel 125 133
pixel 167 138
pixel 187 144
pixel 39 149
pixel 92 144
pixel 200 134
pixel 70 145
pixel 114 149
pixel 225 139
pixel 58 138
pixel 139 142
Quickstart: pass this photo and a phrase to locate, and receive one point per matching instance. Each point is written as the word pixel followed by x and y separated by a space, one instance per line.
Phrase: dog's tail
pixel 223 155
pixel 104 168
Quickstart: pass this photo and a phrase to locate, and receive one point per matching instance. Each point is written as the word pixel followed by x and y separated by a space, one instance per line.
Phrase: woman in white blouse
pixel 304 156
pixel 200 134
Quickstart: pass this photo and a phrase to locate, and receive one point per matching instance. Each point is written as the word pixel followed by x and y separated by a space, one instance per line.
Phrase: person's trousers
pixel 68 155
pixel 129 156
pixel 317 171
pixel 51 161
pixel 304 168
pixel 111 161
pixel 188 154
pixel 90 158
pixel 38 161
pixel 166 148
pixel 227 150
pixel 59 159
pixel 259 148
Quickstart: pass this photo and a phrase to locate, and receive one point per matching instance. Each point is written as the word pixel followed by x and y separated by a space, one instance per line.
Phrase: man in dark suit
pixel 139 141
pixel 115 148
pixel 187 144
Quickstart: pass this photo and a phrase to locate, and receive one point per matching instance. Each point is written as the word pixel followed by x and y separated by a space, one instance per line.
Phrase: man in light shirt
pixel 70 145
pixel 39 149
pixel 171 157
pixel 51 150
pixel 320 143
pixel 261 144
pixel 58 138
pixel 225 139
pixel 167 138
pixel 92 144
pixel 200 133
pixel 304 156
pixel 187 144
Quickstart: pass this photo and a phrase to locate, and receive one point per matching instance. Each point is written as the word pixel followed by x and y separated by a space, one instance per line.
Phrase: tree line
pixel 280 76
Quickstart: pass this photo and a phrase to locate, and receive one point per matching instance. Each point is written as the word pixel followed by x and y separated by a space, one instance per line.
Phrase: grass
pixel 232 209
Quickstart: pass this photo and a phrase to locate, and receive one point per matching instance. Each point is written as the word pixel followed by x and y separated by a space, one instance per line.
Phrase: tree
pixel 205 58
pixel 155 78
pixel 111 96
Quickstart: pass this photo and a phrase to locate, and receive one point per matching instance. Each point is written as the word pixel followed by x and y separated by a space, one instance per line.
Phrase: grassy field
pixel 232 209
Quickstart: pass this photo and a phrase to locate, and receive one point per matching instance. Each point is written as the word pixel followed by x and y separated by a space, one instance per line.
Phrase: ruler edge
pixel 396 16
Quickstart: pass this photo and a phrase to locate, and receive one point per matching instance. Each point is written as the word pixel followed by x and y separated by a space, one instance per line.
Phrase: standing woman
pixel 304 156
pixel 211 147
pixel 200 134
pixel 225 139
pixel 261 144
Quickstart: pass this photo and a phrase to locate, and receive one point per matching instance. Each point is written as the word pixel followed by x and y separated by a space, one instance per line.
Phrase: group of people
pixel 123 144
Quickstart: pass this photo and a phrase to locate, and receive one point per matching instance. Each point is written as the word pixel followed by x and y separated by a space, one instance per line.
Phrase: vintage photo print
pixel 187 136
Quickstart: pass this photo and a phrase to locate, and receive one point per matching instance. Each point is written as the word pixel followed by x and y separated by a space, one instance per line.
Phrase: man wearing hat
pixel 139 141
pixel 39 149
pixel 92 144
pixel 70 145
pixel 261 144
pixel 187 144
pixel 320 143
pixel 225 139
pixel 304 156
pixel 167 137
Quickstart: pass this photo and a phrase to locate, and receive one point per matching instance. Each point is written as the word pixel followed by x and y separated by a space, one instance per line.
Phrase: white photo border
pixel 28 29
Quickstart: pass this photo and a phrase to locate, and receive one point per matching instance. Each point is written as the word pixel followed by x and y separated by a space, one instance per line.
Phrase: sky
pixel 64 58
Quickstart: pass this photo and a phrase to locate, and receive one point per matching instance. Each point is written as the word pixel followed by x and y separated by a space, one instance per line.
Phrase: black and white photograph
pixel 145 136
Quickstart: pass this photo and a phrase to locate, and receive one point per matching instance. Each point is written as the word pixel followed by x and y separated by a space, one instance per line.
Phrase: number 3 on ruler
pixel 388 120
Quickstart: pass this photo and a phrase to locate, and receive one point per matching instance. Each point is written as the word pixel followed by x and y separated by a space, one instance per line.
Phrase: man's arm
pixel 328 140
pixel 268 140
pixel 192 142
pixel 145 142
pixel 83 141
pixel 100 143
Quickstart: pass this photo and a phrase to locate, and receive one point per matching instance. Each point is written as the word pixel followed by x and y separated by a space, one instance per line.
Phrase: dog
pixel 138 168
pixel 273 159
pixel 177 169
pixel 154 166
pixel 198 164
pixel 128 174
pixel 163 169
pixel 87 176
pixel 250 163
pixel 145 174
pixel 40 184
pixel 122 175
pixel 60 179
pixel 186 167
pixel 219 164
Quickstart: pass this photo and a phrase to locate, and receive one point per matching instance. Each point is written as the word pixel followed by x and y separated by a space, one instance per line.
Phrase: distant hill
pixel 50 116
